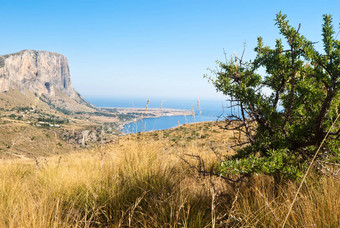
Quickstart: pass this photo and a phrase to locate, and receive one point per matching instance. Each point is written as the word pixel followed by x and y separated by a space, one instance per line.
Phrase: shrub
pixel 285 127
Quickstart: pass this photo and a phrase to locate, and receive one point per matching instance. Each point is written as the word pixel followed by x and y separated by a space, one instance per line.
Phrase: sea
pixel 204 109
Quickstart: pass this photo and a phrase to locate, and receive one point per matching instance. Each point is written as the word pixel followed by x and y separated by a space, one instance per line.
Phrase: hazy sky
pixel 158 48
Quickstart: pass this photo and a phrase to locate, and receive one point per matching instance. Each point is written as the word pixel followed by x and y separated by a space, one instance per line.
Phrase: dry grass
pixel 141 181
pixel 21 140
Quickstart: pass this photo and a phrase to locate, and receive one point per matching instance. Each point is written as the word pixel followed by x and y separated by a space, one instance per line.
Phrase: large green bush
pixel 286 112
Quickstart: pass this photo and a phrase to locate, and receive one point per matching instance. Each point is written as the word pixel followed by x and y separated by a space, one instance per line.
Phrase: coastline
pixel 149 113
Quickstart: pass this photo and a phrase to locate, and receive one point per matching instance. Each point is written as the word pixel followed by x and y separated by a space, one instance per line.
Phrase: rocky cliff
pixel 41 72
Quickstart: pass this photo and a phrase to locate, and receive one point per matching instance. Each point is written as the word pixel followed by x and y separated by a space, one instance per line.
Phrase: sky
pixel 151 49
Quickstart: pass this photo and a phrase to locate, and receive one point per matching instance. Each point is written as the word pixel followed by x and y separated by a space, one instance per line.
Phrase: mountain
pixel 42 114
pixel 46 74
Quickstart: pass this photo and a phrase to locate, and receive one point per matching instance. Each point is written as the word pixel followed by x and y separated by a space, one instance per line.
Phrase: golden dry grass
pixel 141 181
pixel 26 141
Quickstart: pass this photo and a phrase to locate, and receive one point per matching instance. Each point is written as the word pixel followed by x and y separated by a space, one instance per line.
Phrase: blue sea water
pixel 207 110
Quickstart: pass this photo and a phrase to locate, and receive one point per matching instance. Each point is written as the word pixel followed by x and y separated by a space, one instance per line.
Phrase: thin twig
pixel 266 202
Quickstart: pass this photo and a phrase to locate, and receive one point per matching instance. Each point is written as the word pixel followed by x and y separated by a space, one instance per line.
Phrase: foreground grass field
pixel 143 180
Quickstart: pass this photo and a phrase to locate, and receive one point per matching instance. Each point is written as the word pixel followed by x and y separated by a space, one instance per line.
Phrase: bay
pixel 205 110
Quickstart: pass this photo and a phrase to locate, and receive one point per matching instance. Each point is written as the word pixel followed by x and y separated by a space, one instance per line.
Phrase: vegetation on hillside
pixel 33 125
pixel 142 181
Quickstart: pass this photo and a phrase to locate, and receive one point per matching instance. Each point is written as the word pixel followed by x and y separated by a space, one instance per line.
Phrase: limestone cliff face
pixel 41 72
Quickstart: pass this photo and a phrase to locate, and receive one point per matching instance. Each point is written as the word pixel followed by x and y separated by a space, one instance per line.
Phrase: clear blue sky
pixel 145 48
